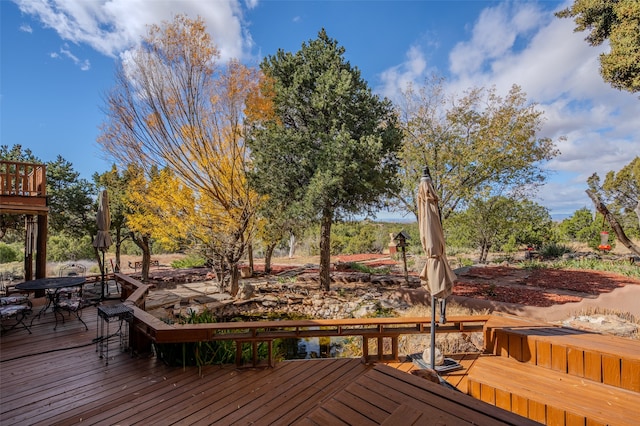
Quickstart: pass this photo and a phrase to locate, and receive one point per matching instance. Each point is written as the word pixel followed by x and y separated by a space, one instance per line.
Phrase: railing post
pixel 394 347
pixel 238 353
pixel 365 348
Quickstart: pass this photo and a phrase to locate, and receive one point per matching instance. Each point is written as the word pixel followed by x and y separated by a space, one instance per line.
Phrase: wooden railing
pixel 23 179
pixel 146 329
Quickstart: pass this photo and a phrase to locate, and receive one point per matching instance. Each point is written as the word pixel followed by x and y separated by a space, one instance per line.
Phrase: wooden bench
pixel 556 375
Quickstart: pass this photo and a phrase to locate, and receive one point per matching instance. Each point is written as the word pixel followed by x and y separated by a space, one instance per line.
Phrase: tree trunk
pixel 325 250
pixel 146 258
pixel 617 229
pixel 235 279
pixel 267 258
pixel 484 252
pixel 250 250
pixel 292 244
pixel 118 247
pixel 145 246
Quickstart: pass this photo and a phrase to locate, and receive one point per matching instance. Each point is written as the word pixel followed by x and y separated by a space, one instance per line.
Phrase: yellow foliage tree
pixel 175 107
pixel 159 207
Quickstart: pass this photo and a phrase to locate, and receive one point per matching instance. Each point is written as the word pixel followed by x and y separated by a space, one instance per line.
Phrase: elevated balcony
pixel 23 191
pixel 23 188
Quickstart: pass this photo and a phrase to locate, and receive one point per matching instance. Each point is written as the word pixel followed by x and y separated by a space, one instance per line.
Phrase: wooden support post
pixel 41 246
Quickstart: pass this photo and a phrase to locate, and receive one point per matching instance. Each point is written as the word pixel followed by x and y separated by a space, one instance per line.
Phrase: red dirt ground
pixel 537 287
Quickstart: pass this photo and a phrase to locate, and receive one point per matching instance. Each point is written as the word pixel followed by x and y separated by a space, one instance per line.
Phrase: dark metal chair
pixel 72 304
pixel 70 299
pixel 71 270
pixel 18 307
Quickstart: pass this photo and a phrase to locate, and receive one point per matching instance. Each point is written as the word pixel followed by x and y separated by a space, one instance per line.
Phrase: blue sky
pixel 57 62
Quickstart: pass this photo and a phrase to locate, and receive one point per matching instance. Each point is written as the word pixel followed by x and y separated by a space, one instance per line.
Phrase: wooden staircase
pixel 558 376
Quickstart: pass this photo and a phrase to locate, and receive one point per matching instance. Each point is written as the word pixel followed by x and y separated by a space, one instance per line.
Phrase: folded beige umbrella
pixel 436 275
pixel 103 239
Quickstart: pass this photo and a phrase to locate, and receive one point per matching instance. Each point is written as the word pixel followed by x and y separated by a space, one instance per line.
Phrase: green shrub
pixel 130 248
pixel 190 261
pixel 359 267
pixel 360 237
pixel 626 269
pixel 61 248
pixel 207 353
pixel 9 253
pixel 554 250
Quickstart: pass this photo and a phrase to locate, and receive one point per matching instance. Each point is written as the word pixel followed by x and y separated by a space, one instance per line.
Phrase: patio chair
pixel 7 284
pixel 71 303
pixel 70 270
pixel 17 307
pixel 69 299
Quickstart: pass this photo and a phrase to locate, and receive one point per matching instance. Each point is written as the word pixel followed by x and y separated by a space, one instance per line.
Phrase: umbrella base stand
pixel 447 366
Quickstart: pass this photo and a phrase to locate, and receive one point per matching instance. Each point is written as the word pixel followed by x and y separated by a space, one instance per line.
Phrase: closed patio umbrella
pixel 103 239
pixel 437 276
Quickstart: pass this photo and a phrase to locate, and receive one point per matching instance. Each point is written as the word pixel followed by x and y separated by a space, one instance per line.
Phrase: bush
pixel 61 248
pixel 190 261
pixel 128 247
pixel 360 237
pixel 554 250
pixel 9 253
pixel 208 353
pixel 359 267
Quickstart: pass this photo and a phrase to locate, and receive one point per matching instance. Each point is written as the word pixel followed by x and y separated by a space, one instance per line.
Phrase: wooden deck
pixel 56 377
pixel 557 375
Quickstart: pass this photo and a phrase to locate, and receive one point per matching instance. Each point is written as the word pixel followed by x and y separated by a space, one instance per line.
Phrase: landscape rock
pixel 247 291
pixel 608 324
pixel 298 295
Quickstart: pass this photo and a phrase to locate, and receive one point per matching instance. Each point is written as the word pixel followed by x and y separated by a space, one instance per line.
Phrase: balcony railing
pixel 23 179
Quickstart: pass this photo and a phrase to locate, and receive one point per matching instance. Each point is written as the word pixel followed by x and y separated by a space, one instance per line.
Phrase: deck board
pixel 57 378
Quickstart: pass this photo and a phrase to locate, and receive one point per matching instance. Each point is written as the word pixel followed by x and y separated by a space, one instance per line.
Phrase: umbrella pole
pixel 102 282
pixel 433 332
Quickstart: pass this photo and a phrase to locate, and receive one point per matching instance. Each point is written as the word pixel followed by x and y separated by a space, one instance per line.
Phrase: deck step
pixel 551 397
pixel 611 360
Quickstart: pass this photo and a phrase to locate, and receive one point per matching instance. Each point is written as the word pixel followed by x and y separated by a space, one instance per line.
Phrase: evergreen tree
pixel 329 151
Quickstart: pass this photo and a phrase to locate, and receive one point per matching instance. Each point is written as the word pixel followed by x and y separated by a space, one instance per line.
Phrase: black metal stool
pixel 109 314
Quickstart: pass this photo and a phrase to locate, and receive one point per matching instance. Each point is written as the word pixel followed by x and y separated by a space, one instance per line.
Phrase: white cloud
pixel 519 43
pixel 83 64
pixel 25 28
pixel 493 35
pixel 113 26
pixel 251 4
pixel 401 76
